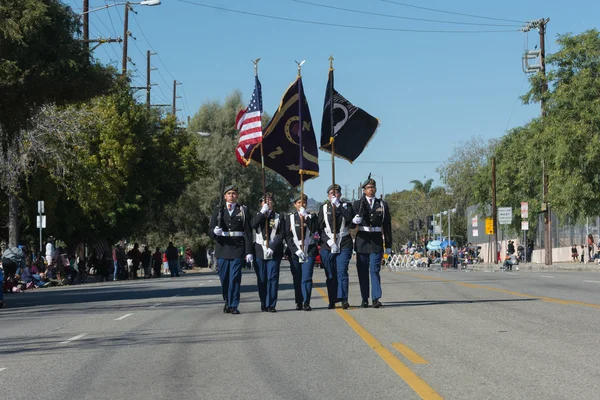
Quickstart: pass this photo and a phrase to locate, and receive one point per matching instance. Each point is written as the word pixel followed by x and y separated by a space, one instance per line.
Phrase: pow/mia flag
pixel 353 127
pixel 282 139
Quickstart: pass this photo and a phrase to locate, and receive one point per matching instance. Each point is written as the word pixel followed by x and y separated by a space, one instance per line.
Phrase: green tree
pixel 42 62
pixel 187 220
pixel 423 187
pixel 567 137
pixel 414 204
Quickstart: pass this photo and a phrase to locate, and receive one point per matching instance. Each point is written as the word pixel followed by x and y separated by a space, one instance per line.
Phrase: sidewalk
pixel 567 266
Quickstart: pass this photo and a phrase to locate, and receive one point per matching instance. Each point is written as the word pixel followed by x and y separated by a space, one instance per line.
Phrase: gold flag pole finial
pixel 331 62
pixel 300 67
pixel 255 62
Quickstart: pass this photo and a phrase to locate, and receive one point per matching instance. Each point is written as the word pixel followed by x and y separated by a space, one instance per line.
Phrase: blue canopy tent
pixel 434 245
pixel 445 244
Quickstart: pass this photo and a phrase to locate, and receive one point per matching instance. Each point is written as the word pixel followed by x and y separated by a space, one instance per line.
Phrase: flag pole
pixel 300 100
pixel 332 142
pixel 262 161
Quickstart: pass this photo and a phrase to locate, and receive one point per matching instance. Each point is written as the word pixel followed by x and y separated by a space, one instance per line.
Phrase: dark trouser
pixel 268 280
pixel 303 283
pixel 230 274
pixel 369 264
pixel 10 268
pixel 157 268
pixel 261 282
pixel 336 271
pixel 173 268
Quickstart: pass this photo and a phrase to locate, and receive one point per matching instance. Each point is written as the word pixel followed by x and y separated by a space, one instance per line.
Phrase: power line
pixel 398 16
pixel 371 28
pixel 152 48
pixel 451 12
pixel 185 103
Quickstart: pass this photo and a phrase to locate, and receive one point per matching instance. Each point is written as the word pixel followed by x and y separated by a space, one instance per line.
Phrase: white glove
pixel 264 209
pixel 218 231
pixel 303 212
pixel 333 245
pixel 268 253
pixel 357 220
pixel 301 255
pixel 335 201
pixel 249 257
pixel 388 251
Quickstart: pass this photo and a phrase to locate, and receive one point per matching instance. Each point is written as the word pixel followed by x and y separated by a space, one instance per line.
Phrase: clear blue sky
pixel 430 91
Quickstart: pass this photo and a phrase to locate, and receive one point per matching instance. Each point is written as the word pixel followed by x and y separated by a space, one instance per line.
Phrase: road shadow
pixel 413 303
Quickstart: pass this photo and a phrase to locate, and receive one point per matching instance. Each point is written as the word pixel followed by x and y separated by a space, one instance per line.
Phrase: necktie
pixel 371 203
pixel 230 206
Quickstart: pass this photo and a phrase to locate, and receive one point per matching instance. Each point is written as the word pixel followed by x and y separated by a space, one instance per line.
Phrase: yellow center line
pixel 413 380
pixel 409 353
pixel 475 286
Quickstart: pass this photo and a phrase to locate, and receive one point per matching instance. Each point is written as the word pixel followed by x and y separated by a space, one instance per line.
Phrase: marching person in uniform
pixel 374 232
pixel 230 227
pixel 336 255
pixel 302 255
pixel 268 251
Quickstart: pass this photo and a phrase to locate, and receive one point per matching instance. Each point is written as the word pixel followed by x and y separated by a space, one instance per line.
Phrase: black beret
pixel 304 197
pixel 369 181
pixel 229 188
pixel 335 186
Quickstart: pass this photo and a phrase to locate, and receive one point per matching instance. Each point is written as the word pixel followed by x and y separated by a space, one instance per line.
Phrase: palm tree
pixel 423 187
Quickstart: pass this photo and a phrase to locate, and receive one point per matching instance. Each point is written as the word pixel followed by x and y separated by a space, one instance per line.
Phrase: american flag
pixel 248 123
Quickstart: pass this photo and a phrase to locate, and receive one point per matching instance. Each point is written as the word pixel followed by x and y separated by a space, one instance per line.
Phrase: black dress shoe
pixel 235 311
pixel 272 309
pixel 307 307
pixel 377 304
pixel 298 306
pixel 345 305
pixel 331 306
pixel 226 309
pixel 263 308
pixel 365 304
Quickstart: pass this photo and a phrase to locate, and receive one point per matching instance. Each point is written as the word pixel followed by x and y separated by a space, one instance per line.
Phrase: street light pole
pixel 86 24
pixel 125 37
pixel 382 187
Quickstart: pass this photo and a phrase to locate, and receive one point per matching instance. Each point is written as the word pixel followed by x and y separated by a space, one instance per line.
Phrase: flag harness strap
pixel 295 234
pixel 343 231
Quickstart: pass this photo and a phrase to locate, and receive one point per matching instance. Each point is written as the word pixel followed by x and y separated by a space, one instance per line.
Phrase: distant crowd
pixel 22 268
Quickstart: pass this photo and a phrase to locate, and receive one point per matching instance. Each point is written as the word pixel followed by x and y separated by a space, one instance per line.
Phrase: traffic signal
pixel 429 221
pixel 420 224
pixel 411 224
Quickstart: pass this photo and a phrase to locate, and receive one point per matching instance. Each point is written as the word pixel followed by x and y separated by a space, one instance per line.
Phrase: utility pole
pixel 547 216
pixel 125 36
pixel 175 97
pixel 148 83
pixel 86 24
pixel 494 211
pixel 540 25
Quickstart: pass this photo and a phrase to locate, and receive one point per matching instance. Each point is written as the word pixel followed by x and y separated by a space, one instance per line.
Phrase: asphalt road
pixel 441 334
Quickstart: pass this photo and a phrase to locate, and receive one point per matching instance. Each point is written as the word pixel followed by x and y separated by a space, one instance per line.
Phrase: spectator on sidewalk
pixel 173 259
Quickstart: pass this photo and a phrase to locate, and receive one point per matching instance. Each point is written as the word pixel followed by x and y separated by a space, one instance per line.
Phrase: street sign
pixel 524 225
pixel 475 232
pixel 41 207
pixel 41 221
pixel 504 215
pixel 524 209
pixel 489 226
pixel 474 222
pixel 437 229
